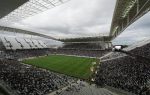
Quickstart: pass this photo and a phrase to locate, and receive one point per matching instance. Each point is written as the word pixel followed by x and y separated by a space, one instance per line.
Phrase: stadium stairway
pixel 118 91
pixel 85 89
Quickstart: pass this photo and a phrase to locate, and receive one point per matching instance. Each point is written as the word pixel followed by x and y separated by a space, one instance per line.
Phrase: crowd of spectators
pixel 83 88
pixel 143 51
pixel 81 49
pixel 78 52
pixel 116 69
pixel 19 54
pixel 29 80
pixel 91 46
pixel 125 72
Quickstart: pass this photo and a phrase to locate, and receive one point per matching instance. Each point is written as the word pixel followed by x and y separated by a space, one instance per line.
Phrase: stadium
pixel 31 63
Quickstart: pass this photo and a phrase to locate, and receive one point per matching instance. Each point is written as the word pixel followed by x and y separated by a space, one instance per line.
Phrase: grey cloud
pixel 136 32
pixel 76 18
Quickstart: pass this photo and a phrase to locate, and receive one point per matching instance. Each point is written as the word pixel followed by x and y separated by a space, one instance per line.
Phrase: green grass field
pixel 69 65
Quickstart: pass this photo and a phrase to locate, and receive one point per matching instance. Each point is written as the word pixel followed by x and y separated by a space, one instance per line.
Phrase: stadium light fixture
pixel 31 8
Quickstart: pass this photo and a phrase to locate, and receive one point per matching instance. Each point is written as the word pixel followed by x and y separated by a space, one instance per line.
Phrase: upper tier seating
pixel 11 43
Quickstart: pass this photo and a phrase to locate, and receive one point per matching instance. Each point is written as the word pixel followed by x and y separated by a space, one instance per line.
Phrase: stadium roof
pixel 12 11
pixel 8 29
pixel 28 9
pixel 31 8
pixel 6 6
pixel 126 13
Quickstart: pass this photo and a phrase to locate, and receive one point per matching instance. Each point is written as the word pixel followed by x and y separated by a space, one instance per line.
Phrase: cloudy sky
pixel 138 31
pixel 81 18
pixel 73 19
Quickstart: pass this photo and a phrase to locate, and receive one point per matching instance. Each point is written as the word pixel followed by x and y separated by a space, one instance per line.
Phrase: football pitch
pixel 70 65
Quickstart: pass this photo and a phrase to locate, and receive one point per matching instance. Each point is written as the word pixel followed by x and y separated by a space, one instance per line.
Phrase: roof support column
pixel 121 25
pixel 137 6
pixel 128 19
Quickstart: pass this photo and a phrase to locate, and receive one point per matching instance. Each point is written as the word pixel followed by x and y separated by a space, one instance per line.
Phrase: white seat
pixel 14 43
pixel 24 43
pixel 43 44
pixel 34 43
pixel 30 43
pixel 6 43
pixel 37 44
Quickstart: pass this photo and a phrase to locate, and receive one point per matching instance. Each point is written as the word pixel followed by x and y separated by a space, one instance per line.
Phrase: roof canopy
pixel 30 8
pixel 127 12
pixel 8 29
pixel 6 6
